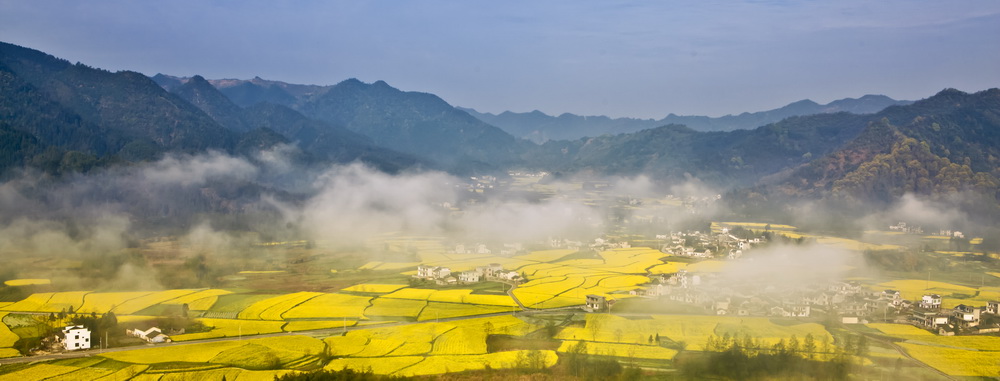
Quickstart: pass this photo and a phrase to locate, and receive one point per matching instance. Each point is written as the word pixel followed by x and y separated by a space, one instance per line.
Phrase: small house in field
pixel 76 337
pixel 892 297
pixel 469 276
pixel 596 303
pixel 432 272
pixel 993 307
pixel 931 301
pixel 152 335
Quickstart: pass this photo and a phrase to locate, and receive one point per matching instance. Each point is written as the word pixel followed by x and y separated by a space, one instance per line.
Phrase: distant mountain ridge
pixel 61 117
pixel 415 123
pixel 540 127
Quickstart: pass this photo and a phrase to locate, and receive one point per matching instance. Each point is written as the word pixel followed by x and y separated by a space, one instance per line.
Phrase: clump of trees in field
pixel 748 358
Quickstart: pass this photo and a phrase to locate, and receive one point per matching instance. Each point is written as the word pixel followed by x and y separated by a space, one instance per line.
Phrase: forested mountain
pixel 326 140
pixel 675 152
pixel 941 145
pixel 416 123
pixel 61 117
pixel 81 116
pixel 539 127
pixel 207 98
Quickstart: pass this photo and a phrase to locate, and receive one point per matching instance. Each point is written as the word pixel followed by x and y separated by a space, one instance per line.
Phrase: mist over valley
pixel 171 225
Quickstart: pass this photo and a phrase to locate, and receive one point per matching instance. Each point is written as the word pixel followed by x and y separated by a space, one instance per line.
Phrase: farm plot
pixel 273 308
pixel 956 362
pixel 231 305
pixel 899 330
pixel 330 306
pixel 457 363
pixel 402 308
pixel 436 310
pixel 38 372
pixel 460 341
pixel 343 346
pixel 231 328
pixel 693 330
pixel 285 348
pixel 7 338
pixel 978 343
pixel 493 300
pixel 914 289
pixel 49 302
pixel 385 365
pixel 200 300
pixel 188 353
pixel 309 325
pixel 27 282
pixel 411 293
pixel 533 292
pixel 102 302
pixel 137 304
pixel 374 288
pixel 652 352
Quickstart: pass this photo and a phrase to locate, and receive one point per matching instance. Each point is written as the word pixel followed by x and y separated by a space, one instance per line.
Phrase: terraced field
pixel 692 330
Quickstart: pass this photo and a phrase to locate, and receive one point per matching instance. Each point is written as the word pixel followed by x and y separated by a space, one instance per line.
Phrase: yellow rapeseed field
pixel 692 330
pixel 914 289
pixel 231 328
pixel 447 310
pixel 395 307
pixel 103 302
pixel 201 300
pixel 37 372
pixel 375 288
pixel 385 365
pixel 137 304
pixel 273 308
pixel 899 330
pixel 82 374
pixel 457 363
pixel 7 338
pixel 461 341
pixel 330 306
pixel 956 362
pixel 49 302
pixel 27 282
pixel 639 351
pixel 342 346
pixel 411 293
pixel 308 325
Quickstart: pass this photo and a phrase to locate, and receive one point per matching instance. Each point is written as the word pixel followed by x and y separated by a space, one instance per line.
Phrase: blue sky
pixel 618 58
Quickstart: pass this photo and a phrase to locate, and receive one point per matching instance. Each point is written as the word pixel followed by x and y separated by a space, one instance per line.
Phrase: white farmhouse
pixel 469 276
pixel 76 337
pixel 152 335
pixel 931 301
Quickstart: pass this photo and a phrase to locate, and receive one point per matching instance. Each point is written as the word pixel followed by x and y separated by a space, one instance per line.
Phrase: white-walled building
pixel 76 337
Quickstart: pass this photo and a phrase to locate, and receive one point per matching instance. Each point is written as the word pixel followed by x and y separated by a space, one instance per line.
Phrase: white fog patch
pixel 638 186
pixel 61 239
pixel 355 202
pixel 527 222
pixel 196 170
pixel 917 211
pixel 789 266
